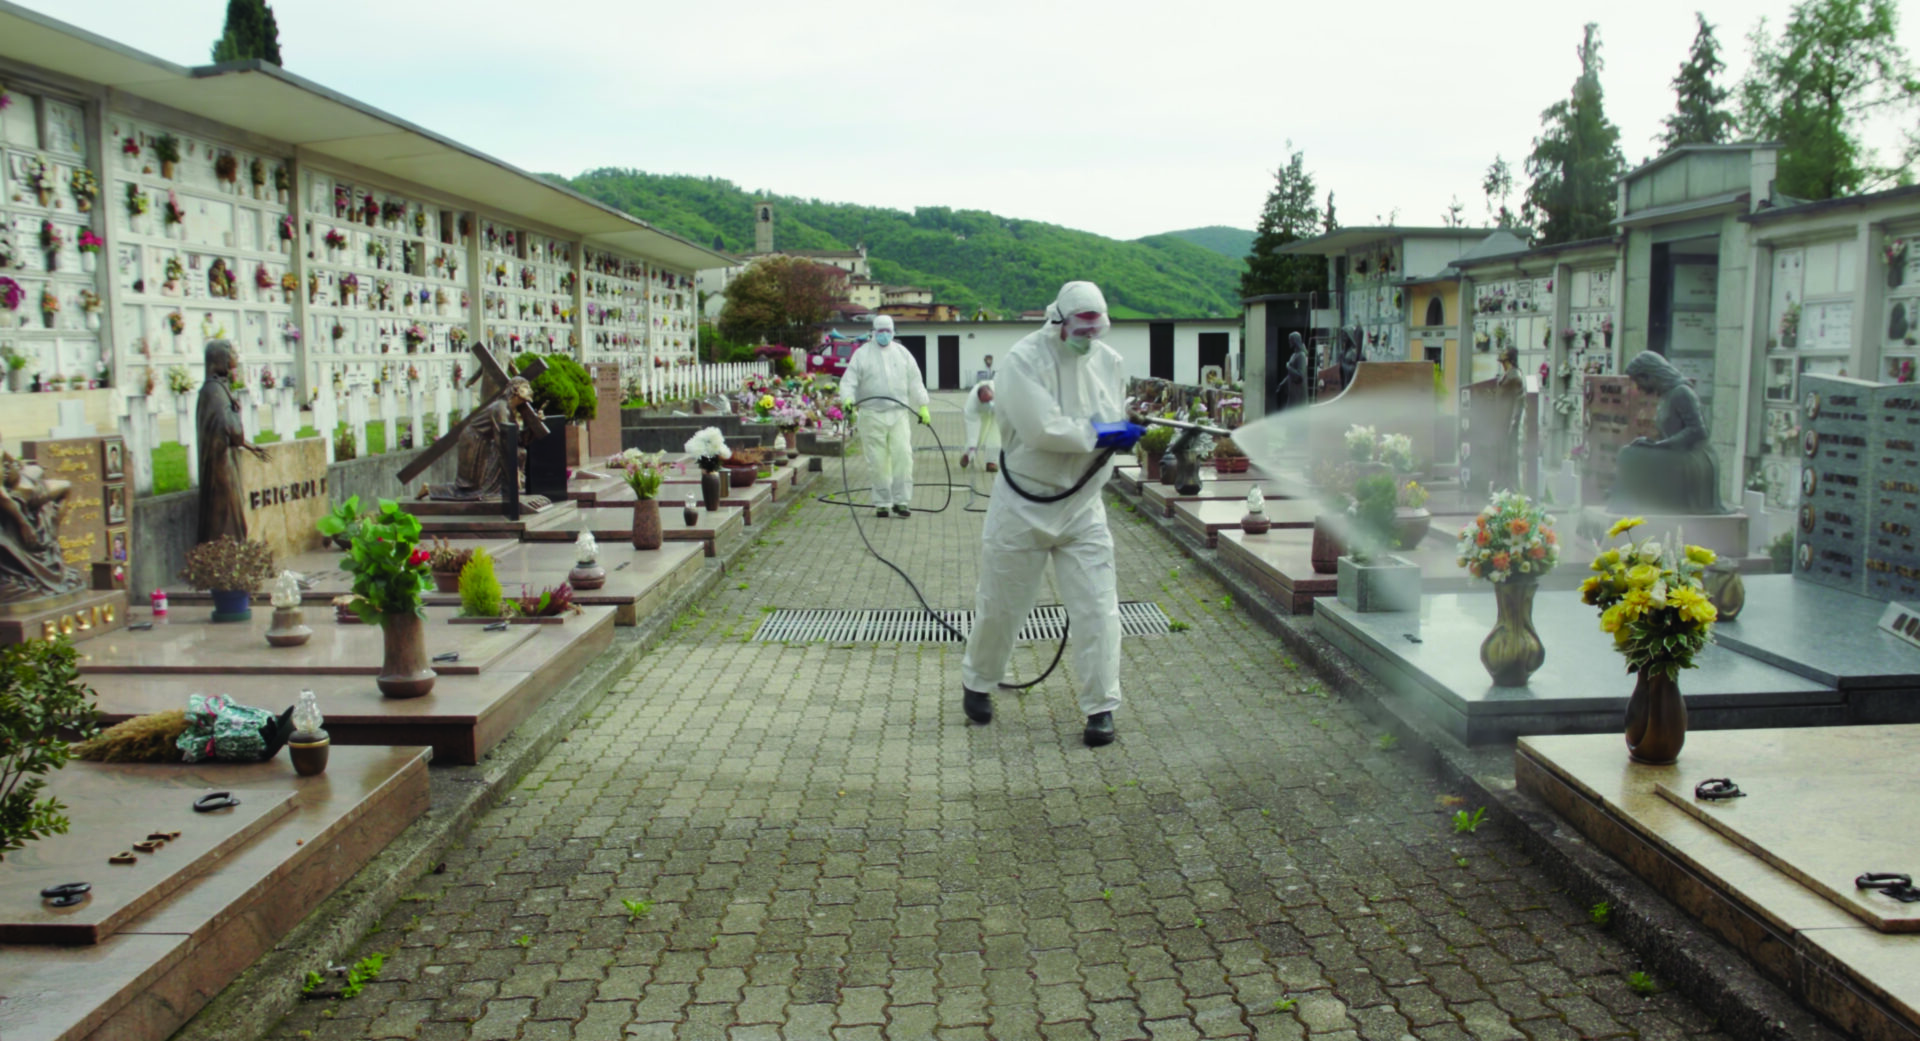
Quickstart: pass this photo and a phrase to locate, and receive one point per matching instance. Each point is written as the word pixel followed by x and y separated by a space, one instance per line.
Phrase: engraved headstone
pixel 96 507
pixel 1893 540
pixel 1857 526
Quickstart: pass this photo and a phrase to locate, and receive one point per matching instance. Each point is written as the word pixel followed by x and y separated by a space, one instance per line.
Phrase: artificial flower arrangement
pixel 335 240
pixel 257 172
pixel 10 293
pixel 227 168
pixel 264 278
pixel 85 187
pixel 166 148
pixel 1366 445
pixel 90 243
pixel 137 201
pixel 175 213
pixel 415 336
pixel 709 447
pixel 50 240
pixel 1895 253
pixel 175 271
pixel 1652 602
pixel 179 379
pixel 643 472
pixel 287 228
pixel 39 179
pixel 49 306
pixel 763 407
pixel 1511 540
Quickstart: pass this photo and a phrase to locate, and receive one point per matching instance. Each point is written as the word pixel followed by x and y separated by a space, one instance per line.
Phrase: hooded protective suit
pixel 885 370
pixel 983 433
pixel 1048 394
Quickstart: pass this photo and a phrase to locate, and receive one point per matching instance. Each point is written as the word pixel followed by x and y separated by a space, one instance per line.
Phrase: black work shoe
pixel 979 706
pixel 902 512
pixel 881 513
pixel 1099 730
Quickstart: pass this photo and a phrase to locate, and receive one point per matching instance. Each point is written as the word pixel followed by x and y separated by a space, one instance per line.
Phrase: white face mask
pixel 1079 344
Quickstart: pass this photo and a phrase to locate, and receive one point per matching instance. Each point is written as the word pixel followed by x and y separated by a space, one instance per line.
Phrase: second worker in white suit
pixel 1058 401
pixel 879 377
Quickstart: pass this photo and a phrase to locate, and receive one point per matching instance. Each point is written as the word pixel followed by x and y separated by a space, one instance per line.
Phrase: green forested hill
pixel 969 258
pixel 1233 243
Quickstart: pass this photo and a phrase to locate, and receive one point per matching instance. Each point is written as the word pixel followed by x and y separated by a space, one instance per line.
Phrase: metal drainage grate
pixel 895 625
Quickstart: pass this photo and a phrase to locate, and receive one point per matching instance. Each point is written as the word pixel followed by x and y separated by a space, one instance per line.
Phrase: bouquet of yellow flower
pixel 1511 540
pixel 1652 601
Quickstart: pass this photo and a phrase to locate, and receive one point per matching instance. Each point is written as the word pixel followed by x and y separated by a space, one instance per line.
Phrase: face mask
pixel 1079 344
pixel 883 338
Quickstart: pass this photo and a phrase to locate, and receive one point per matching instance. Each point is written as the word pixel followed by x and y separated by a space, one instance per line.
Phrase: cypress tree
pixel 1576 159
pixel 251 32
pixel 1698 117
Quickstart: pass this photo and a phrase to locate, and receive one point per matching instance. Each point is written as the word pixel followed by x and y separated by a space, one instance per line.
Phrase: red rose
pixel 419 557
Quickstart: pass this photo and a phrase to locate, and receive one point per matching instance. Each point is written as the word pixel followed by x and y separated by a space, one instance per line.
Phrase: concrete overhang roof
pixel 264 99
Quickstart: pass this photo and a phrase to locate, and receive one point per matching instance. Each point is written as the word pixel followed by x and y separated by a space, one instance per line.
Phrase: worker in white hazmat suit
pixel 983 434
pixel 880 375
pixel 1058 401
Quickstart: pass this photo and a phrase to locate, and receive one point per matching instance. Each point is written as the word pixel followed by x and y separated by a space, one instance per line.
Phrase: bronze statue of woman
pixel 222 439
pixel 1676 473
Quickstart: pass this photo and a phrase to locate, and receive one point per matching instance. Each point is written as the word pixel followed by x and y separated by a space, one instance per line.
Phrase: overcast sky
pixel 1121 118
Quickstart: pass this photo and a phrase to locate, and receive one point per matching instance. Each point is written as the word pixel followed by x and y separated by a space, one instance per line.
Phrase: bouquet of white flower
pixel 709 446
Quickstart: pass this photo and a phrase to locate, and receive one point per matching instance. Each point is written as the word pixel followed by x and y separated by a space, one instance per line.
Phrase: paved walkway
pixel 816 845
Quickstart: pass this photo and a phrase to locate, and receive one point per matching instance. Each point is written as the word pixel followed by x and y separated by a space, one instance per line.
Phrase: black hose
pixel 846 489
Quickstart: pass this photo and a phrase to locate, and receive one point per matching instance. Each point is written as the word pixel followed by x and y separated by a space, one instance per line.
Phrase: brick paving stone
pixel 831 851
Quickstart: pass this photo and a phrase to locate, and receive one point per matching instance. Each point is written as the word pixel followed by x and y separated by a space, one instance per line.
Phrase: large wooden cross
pixel 490 368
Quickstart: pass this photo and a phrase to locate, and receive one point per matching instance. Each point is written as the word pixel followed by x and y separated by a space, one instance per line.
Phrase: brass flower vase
pixel 404 673
pixel 1512 651
pixel 1656 720
pixel 1725 591
pixel 646 524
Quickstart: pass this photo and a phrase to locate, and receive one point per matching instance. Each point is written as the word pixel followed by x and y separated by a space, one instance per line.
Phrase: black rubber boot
pixel 902 512
pixel 1099 730
pixel 979 706
pixel 881 513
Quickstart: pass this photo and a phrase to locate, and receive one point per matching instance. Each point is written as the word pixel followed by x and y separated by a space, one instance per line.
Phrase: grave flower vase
pixel 404 672
pixel 710 489
pixel 646 523
pixel 1150 463
pixel 1656 720
pixel 232 605
pixel 1896 274
pixel 1328 547
pixel 1512 651
pixel 741 476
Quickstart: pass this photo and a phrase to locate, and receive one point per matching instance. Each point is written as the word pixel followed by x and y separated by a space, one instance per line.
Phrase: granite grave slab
pixel 464 716
pixel 1867 982
pixel 1830 636
pixel 1431 658
pixel 1207 518
pixel 143 982
pixel 638 581
pixel 718 531
pixel 189 643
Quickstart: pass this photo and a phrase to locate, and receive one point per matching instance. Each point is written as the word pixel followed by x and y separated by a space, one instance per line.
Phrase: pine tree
pixel 1836 64
pixel 1576 159
pixel 251 32
pixel 1497 185
pixel 1699 118
pixel 1289 216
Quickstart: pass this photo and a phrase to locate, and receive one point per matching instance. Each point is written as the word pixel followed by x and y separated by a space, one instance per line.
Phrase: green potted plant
pixel 42 704
pixel 231 570
pixel 1228 457
pixel 446 562
pixel 166 148
pixel 643 473
pixel 16 369
pixel 390 573
pixel 1153 445
pixel 479 588
pixel 564 394
pixel 1368 577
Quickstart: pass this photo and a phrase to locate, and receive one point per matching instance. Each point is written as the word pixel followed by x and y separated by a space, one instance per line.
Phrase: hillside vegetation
pixel 969 258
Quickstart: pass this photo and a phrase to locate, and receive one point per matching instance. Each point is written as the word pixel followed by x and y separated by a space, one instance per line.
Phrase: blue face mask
pixel 883 337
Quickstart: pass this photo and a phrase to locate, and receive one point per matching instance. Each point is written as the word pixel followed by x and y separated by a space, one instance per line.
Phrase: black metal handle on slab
pixel 214 801
pixel 1714 789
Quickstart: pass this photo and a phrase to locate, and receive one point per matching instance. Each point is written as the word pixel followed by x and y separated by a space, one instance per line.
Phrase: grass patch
pixel 169 468
pixel 267 437
pixel 374 440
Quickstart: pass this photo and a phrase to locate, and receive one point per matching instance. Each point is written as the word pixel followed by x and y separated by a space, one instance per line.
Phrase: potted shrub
pixel 446 563
pixel 1153 444
pixel 42 704
pixel 643 473
pixel 564 395
pixel 390 573
pixel 479 588
pixel 1369 577
pixel 1227 457
pixel 231 570
pixel 744 467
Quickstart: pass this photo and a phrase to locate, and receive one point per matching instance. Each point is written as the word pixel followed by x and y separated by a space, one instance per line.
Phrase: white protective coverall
pixel 983 432
pixel 1046 399
pixel 885 428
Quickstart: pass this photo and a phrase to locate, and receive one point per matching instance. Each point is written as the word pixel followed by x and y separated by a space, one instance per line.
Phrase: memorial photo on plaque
pixel 1811 443
pixel 1806 518
pixel 119 542
pixel 1809 480
pixel 116 504
pixel 113 463
pixel 1813 405
pixel 1806 556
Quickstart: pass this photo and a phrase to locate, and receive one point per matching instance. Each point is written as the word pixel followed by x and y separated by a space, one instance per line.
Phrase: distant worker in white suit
pixel 1059 402
pixel 983 434
pixel 880 376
